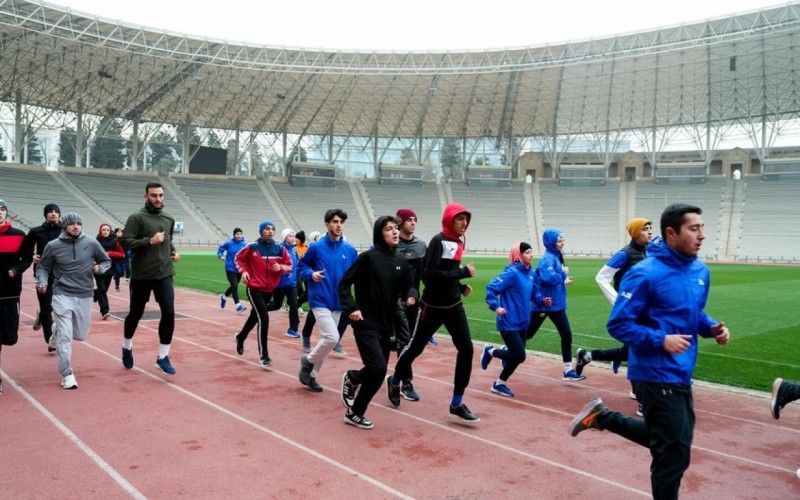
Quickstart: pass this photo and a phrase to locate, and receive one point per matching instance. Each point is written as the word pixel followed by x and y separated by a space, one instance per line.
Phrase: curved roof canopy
pixel 721 71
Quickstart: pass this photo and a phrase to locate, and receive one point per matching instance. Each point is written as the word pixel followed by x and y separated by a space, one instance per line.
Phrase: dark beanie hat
pixel 50 207
pixel 524 247
pixel 237 230
pixel 301 236
pixel 404 214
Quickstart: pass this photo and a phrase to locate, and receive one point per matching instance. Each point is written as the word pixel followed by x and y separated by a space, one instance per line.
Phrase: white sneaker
pixel 69 382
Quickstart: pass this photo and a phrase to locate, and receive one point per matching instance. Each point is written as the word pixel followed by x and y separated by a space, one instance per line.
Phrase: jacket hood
pixel 377 232
pixel 110 235
pixel 550 239
pixel 450 212
pixel 659 249
pixel 65 236
pixel 515 256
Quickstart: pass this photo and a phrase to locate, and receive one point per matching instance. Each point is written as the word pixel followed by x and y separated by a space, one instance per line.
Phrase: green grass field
pixel 755 301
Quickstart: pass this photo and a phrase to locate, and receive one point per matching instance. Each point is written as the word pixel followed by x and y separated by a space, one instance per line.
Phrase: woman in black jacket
pixel 380 277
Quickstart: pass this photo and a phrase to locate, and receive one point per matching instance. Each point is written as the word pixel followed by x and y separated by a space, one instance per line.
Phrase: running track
pixel 225 427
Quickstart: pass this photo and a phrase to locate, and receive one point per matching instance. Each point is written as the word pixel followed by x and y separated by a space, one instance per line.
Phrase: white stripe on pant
pixel 72 318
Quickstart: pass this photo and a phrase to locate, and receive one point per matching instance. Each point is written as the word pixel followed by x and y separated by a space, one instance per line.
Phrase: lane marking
pixel 93 456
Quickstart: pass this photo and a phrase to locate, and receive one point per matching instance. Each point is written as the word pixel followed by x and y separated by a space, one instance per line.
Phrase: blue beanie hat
pixel 264 224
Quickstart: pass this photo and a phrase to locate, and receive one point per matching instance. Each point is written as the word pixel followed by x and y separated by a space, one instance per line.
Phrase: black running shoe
pixel 461 415
pixel 305 371
pixel 393 391
pixel 127 358
pixel 348 391
pixel 778 398
pixel 580 362
pixel 357 420
pixel 313 386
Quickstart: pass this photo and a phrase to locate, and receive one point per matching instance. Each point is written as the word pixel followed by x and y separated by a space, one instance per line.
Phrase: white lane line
pixel 353 472
pixel 484 441
pixel 97 459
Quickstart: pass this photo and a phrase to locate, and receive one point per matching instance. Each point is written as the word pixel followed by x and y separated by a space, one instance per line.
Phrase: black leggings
pixel 164 293
pixel 559 319
pixel 515 354
pixel 233 289
pixel 373 346
pixel 290 293
pixel 430 319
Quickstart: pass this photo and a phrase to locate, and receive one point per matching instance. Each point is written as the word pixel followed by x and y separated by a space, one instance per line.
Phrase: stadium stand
pixel 229 203
pixel 588 216
pixel 652 198
pixel 29 189
pixel 122 193
pixel 308 205
pixel 770 211
pixel 747 211
pixel 498 216
pixel 424 200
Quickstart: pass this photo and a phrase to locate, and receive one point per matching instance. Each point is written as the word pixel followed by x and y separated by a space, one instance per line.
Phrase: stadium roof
pixel 733 70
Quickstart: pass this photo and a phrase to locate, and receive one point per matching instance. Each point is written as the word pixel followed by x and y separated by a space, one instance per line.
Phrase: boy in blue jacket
pixel 659 314
pixel 227 252
pixel 323 267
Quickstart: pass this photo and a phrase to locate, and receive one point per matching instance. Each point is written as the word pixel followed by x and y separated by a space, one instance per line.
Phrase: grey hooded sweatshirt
pixel 71 261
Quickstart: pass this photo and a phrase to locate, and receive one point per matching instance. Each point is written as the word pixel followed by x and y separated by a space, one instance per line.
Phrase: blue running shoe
pixel 165 366
pixel 240 308
pixel 502 389
pixel 486 357
pixel 571 376
pixel 292 333
pixel 432 341
pixel 615 366
pixel 222 301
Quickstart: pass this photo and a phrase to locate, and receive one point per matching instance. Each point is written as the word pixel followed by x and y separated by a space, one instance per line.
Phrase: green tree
pixel 2 153
pixel 232 166
pixel 214 140
pixel 408 156
pixel 34 151
pixel 194 136
pixel 111 150
pixel 299 154
pixel 66 147
pixel 450 158
pixel 163 156
pixel 256 160
pixel 481 160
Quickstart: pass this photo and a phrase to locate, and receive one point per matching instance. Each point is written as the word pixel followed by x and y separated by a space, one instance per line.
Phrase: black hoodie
pixel 380 277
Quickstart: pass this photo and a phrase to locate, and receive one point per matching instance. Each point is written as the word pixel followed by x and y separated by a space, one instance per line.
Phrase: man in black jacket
pixel 34 244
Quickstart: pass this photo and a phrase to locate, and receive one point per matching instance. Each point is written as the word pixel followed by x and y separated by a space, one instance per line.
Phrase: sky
pixel 409 25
